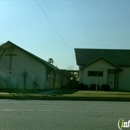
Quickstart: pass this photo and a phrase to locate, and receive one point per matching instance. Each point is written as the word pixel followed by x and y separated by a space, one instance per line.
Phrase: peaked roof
pixel 103 59
pixel 50 66
pixel 116 56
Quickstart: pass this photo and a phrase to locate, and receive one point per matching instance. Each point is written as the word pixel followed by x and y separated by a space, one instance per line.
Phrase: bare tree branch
pixel 4 48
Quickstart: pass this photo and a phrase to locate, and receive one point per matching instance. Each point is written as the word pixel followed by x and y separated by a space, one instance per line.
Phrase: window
pixel 95 73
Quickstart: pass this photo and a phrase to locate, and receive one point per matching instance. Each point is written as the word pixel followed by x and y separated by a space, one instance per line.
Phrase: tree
pixel 50 60
pixel 3 48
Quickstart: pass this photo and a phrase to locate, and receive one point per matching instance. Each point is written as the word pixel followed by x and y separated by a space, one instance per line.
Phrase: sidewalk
pixel 49 92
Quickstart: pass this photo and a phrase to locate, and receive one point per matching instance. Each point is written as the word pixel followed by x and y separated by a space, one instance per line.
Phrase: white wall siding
pixel 124 79
pixel 100 65
pixel 20 63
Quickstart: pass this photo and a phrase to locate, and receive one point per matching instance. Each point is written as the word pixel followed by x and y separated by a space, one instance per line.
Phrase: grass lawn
pixel 71 94
pixel 91 93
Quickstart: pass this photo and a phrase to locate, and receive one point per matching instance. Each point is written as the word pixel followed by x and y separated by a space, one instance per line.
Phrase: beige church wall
pixel 100 65
pixel 50 81
pixel 64 80
pixel 47 81
pixel 58 81
pixel 2 80
pixel 54 80
pixel 20 63
pixel 6 80
pixel 124 79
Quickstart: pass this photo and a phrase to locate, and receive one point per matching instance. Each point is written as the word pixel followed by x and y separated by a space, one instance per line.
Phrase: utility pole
pixel 97 78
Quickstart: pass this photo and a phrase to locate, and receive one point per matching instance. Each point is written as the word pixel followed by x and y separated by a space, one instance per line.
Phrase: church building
pixel 20 69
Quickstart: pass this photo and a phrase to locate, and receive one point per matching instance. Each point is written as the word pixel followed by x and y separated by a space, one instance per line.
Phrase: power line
pixel 52 24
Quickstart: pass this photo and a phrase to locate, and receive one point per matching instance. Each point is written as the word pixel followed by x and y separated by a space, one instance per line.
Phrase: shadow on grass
pixel 64 91
pixel 18 94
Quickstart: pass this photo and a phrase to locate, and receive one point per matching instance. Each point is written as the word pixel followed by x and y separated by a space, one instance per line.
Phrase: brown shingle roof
pixel 117 56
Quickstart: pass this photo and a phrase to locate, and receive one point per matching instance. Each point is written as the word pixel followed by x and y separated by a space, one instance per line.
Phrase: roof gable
pixel 117 57
pixel 50 66
pixel 103 59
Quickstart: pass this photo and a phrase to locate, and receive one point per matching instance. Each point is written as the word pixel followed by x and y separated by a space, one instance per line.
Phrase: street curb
pixel 50 97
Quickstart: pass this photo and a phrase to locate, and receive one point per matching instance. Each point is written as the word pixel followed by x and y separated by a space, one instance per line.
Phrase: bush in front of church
pixel 105 87
pixel 93 87
pixel 83 86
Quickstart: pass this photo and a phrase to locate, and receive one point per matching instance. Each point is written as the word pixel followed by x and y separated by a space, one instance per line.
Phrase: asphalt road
pixel 61 115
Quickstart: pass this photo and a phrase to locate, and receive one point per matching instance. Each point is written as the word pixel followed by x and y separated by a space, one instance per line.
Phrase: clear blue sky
pixel 80 23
